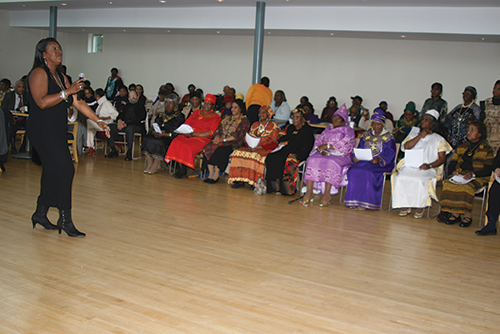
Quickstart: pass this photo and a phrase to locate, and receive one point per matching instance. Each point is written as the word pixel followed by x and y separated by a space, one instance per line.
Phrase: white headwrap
pixel 434 113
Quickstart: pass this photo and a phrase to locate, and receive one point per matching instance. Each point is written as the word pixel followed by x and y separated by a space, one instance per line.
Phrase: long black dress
pixel 157 147
pixel 47 131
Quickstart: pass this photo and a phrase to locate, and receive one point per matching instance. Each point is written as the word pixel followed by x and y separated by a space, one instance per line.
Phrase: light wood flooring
pixel 180 256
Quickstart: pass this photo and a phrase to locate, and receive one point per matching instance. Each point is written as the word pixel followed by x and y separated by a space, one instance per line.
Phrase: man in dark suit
pixel 130 121
pixel 14 100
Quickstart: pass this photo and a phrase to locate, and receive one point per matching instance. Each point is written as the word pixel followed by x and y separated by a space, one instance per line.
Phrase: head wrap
pixel 195 94
pixel 382 102
pixel 299 111
pixel 239 96
pixel 411 107
pixel 472 90
pixel 228 98
pixel 378 116
pixel 433 112
pixel 342 112
pixel 210 98
pixel 172 97
pixel 357 97
pixel 270 112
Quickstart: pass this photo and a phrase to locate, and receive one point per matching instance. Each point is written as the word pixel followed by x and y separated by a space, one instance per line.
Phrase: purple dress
pixel 331 168
pixel 365 179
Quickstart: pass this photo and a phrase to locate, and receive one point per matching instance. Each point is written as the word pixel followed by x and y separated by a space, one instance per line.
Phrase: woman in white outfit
pixel 413 187
pixel 106 114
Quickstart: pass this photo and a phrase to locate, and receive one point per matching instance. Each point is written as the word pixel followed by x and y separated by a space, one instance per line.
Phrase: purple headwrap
pixel 378 116
pixel 342 112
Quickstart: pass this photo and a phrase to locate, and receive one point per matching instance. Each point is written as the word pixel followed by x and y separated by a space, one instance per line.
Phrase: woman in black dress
pixel 50 95
pixel 155 144
pixel 297 144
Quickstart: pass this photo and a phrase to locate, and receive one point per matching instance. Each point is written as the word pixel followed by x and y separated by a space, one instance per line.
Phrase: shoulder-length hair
pixel 41 47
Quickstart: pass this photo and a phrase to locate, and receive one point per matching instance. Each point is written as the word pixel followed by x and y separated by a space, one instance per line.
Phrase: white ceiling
pixel 80 4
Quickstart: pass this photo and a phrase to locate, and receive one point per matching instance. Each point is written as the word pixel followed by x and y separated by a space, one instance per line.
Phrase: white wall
pixel 392 70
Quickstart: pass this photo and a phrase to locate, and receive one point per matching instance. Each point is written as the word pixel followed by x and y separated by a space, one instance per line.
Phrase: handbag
pixel 260 187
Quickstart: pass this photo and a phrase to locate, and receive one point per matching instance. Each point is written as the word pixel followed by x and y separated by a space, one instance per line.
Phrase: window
pixel 95 43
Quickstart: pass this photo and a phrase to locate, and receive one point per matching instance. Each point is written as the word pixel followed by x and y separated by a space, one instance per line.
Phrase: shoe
pixel 180 175
pixel 404 212
pixel 207 180
pixel 128 156
pixel 91 151
pixel 453 220
pixel 324 204
pixel 40 217
pixel 484 232
pixel 252 188
pixel 212 181
pixel 237 184
pixel 443 216
pixel 306 203
pixel 112 154
pixel 66 223
pixel 145 171
pixel 2 167
pixel 418 215
pixel 466 222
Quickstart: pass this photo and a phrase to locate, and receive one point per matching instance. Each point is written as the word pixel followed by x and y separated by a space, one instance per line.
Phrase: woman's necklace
pixel 58 82
pixel 262 129
pixel 461 115
pixel 471 151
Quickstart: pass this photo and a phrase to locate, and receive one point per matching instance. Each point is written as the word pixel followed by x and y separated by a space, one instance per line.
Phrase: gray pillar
pixel 53 22
pixel 258 48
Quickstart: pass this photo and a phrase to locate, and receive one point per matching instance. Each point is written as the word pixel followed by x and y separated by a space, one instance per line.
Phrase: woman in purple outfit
pixel 329 159
pixel 366 178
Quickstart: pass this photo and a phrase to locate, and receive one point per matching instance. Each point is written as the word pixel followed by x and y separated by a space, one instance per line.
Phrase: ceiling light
pixel 220 0
pixel 163 1
pixel 403 36
pixel 64 4
pixel 218 32
pixel 331 34
pixel 111 2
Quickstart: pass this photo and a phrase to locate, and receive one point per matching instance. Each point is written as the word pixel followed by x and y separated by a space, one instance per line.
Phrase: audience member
pixel 355 115
pixel 140 91
pixel 357 101
pixel 227 102
pixel 106 113
pixel 435 102
pixel 303 101
pixel 458 120
pixel 366 178
pixel 184 148
pixel 493 200
pixel 388 115
pixel 121 99
pixel 421 180
pixel 330 109
pixel 310 116
pixel 159 106
pixel 280 107
pixel 14 101
pixel 258 95
pixel 171 89
pixel 491 108
pixel 406 123
pixel 365 122
pixel 186 97
pixel 247 163
pixel 4 147
pixel 128 121
pixel 230 135
pixel 330 158
pixel 155 144
pixel 4 88
pixel 194 104
pixel 281 166
pixel 113 84
pixel 472 161
pixel 89 98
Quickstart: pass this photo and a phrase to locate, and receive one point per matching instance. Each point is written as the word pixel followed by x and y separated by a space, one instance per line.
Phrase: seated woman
pixel 230 135
pixel 364 190
pixel 329 110
pixel 329 159
pixel 248 164
pixel 140 91
pixel 195 99
pixel 493 200
pixel 297 143
pixel 406 123
pixel 280 107
pixel 184 148
pixel 155 144
pixel 472 159
pixel 413 187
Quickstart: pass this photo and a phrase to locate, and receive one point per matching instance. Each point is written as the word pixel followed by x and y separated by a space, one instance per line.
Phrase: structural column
pixel 258 41
pixel 53 22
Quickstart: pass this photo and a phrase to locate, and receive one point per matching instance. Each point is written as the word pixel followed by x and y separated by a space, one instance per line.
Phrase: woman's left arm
pixel 441 159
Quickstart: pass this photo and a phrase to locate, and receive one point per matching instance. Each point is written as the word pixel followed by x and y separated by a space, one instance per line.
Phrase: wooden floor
pixel 180 256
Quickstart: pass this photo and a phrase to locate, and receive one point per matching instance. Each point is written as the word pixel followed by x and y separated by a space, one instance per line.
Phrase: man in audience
pixel 219 104
pixel 355 115
pixel 436 102
pixel 129 121
pixel 14 100
pixel 4 88
pixel 106 113
pixel 258 95
pixel 356 101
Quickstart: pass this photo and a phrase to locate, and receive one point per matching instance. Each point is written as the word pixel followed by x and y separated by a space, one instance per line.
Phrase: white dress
pixel 412 187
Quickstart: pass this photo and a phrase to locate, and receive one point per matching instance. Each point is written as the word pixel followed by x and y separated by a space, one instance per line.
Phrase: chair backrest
pixel 73 130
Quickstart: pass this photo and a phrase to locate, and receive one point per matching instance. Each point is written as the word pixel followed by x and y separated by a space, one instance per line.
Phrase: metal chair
pixel 72 132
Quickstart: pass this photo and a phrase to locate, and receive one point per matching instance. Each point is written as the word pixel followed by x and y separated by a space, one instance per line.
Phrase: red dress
pixel 183 149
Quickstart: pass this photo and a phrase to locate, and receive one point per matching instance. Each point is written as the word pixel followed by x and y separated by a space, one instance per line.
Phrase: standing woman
pixel 50 95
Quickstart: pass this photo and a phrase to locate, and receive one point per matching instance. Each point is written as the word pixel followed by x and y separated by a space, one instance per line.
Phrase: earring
pixel 45 60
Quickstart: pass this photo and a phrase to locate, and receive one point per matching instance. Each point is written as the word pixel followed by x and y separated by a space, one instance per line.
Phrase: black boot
pixel 40 217
pixel 66 223
pixel 182 172
pixel 128 157
pixel 112 154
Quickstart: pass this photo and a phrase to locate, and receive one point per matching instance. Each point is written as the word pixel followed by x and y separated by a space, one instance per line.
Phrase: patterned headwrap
pixel 433 112
pixel 270 112
pixel 378 116
pixel 342 112
pixel 411 107
pixel 300 111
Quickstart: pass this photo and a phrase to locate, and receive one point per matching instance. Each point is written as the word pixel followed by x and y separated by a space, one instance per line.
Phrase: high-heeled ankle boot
pixel 40 217
pixel 66 223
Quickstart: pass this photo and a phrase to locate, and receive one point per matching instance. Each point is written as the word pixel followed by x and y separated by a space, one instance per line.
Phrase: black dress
pixel 47 131
pixel 300 143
